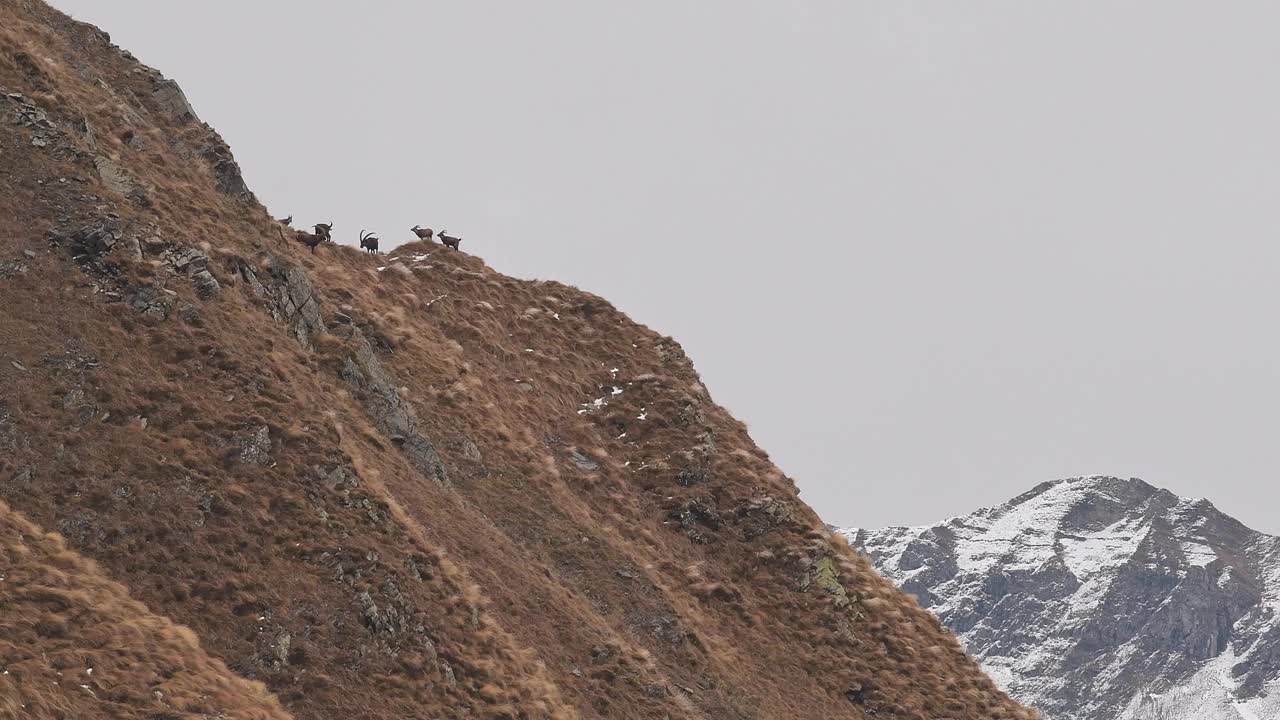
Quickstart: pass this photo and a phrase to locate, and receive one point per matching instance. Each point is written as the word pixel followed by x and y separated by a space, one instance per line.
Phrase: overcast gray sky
pixel 933 253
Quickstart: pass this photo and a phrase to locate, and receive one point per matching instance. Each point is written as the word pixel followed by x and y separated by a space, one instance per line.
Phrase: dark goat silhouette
pixel 311 240
pixel 449 240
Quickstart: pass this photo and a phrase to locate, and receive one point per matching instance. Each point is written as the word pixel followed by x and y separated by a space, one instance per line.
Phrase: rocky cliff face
pixel 396 486
pixel 1099 599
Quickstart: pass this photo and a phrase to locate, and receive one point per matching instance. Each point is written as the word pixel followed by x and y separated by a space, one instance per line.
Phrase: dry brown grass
pixel 73 644
pixel 636 557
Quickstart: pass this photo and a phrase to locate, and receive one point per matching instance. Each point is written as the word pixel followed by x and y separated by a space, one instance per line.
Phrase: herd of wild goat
pixel 368 241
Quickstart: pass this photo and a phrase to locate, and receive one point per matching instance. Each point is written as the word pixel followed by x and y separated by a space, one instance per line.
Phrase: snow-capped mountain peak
pixel 1100 598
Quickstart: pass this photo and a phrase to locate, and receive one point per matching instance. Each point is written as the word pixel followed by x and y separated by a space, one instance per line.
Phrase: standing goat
pixel 325 231
pixel 421 232
pixel 287 221
pixel 311 240
pixel 369 242
pixel 449 241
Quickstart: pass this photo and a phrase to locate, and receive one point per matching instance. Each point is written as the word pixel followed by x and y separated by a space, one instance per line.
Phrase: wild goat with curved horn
pixel 325 231
pixel 449 240
pixel 421 232
pixel 369 242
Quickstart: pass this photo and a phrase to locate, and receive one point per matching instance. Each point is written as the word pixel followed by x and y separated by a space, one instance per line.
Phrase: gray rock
pixel 384 620
pixel 189 314
pixel 173 102
pixel 73 398
pixel 114 176
pixel 9 268
pixel 279 649
pixel 206 284
pixel 186 259
pixel 291 296
pixel 226 172
pixel 28 115
pixel 90 241
pixel 582 461
pixel 255 449
pixel 150 302
pixel 469 450
pixel 389 411
pixel 152 242
pixel 131 246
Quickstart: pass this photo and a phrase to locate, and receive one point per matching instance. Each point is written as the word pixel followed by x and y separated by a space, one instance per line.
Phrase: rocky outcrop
pixel 1104 599
pixel 173 102
pixel 292 299
pixel 390 412
pixel 226 171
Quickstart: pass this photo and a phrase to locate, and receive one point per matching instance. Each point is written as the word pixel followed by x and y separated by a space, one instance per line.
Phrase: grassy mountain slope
pixel 400 486
pixel 74 644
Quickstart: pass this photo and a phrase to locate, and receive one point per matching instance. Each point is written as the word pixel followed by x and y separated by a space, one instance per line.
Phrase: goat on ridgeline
pixel 449 241
pixel 421 232
pixel 369 242
pixel 325 231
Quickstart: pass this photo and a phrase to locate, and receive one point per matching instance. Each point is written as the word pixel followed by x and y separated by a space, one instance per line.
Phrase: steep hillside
pixel 74 644
pixel 402 486
pixel 1102 599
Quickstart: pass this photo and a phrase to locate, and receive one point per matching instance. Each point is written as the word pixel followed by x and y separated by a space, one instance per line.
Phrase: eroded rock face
pixel 291 296
pixel 1083 597
pixel 226 171
pixel 174 102
pixel 389 411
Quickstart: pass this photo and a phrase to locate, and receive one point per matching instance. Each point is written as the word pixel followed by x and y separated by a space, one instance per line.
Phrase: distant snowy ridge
pixel 1098 598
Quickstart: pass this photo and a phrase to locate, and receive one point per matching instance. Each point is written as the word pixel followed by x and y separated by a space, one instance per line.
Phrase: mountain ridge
pixel 1097 597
